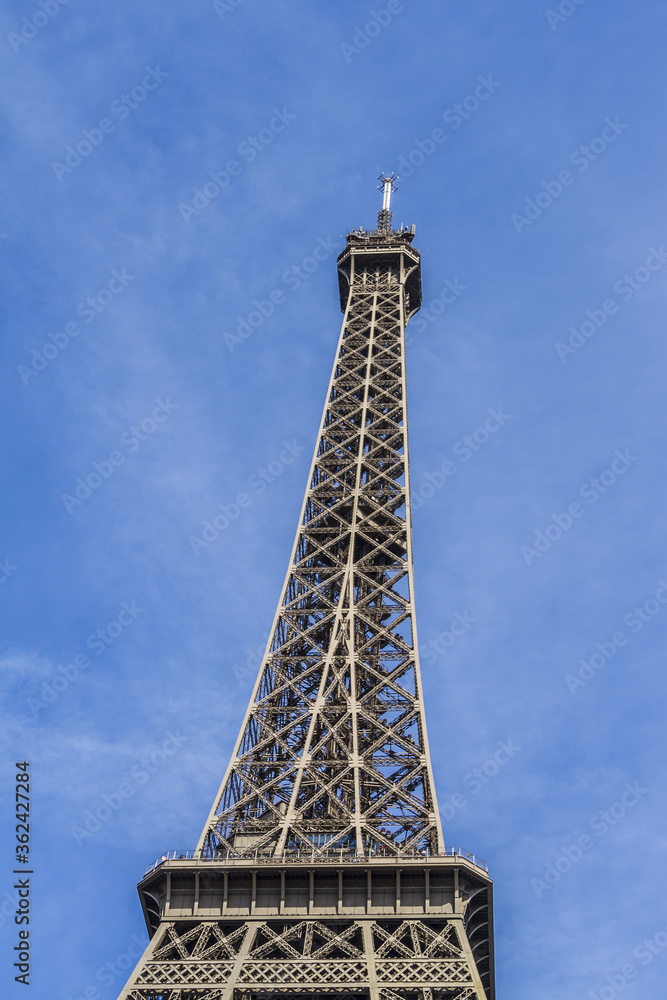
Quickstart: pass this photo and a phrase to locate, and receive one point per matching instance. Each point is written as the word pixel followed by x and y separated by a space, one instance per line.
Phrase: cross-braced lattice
pixel 333 751
pixel 321 871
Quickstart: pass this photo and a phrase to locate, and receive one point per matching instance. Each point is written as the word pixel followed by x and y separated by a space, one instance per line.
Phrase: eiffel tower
pixel 321 872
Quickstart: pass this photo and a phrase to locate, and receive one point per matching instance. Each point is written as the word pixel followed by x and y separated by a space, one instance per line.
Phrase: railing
pixel 340 855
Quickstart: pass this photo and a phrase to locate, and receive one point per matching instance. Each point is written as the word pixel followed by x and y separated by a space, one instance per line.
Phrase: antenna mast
pixel 387 185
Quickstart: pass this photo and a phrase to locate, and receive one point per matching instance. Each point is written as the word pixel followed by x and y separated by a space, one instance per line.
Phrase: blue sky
pixel 542 201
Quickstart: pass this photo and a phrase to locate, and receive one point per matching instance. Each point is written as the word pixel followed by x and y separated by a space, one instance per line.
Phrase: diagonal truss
pixel 407 959
pixel 333 751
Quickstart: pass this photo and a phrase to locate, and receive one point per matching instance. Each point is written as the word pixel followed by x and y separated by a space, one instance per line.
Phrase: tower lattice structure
pixel 321 872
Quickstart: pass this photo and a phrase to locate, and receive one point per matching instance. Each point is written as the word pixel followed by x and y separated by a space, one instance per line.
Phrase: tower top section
pixel 382 252
pixel 384 228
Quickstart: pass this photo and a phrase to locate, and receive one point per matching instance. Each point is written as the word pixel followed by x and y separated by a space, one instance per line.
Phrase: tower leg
pixel 373 991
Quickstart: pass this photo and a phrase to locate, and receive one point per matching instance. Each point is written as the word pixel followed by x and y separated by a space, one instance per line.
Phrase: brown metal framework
pixel 321 870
